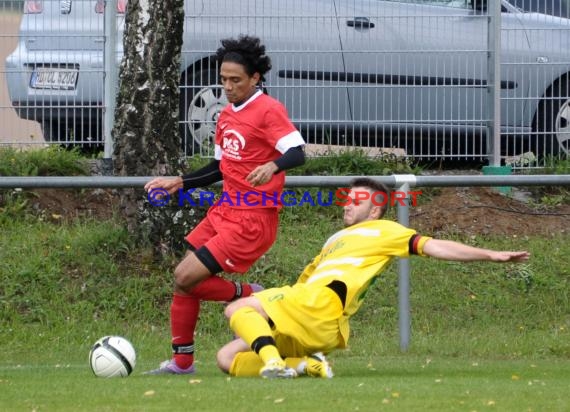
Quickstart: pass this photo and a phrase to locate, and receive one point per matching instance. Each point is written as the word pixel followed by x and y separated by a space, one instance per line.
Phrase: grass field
pixel 482 338
pixel 485 337
pixel 402 383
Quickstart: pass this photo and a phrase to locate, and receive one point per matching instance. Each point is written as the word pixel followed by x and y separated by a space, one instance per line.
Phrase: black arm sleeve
pixel 203 177
pixel 293 157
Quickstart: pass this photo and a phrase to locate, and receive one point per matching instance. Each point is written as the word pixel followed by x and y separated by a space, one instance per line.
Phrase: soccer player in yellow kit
pixel 285 332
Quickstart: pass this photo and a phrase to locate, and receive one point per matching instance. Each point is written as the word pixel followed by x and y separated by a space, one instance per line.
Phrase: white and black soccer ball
pixel 112 356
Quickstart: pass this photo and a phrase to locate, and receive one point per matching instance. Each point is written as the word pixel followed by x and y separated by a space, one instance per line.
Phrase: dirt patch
pixel 485 211
pixel 66 204
pixel 449 211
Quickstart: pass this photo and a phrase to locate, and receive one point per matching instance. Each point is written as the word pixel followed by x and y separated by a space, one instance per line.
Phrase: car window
pixel 558 8
pixel 459 4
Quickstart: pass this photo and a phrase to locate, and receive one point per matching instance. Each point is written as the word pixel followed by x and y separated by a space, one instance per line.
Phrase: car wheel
pixel 201 101
pixel 553 121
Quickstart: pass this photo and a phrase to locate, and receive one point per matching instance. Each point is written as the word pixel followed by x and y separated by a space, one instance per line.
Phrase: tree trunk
pixel 145 133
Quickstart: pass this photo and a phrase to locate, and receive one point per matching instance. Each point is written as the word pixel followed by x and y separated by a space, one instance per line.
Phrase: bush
pixel 51 161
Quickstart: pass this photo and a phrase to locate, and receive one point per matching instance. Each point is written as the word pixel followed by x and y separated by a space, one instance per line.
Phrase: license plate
pixel 52 78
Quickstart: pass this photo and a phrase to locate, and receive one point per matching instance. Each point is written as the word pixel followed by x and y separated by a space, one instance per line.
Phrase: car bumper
pixel 40 103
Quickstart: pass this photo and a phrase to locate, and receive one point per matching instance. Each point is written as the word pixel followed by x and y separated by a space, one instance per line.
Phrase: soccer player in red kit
pixel 255 143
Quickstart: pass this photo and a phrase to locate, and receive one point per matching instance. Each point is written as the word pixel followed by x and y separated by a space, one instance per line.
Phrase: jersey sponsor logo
pixel 233 143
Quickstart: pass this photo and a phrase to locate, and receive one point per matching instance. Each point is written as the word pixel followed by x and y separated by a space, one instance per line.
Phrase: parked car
pixel 371 72
pixel 559 8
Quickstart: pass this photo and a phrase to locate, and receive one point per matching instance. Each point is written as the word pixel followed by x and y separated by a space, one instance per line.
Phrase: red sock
pixel 219 289
pixel 183 317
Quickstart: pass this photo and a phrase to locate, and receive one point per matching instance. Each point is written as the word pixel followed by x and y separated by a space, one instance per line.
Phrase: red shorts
pixel 236 237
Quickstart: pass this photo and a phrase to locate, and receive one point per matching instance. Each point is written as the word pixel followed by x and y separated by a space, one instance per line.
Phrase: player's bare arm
pixel 450 250
pixel 202 177
pixel 170 184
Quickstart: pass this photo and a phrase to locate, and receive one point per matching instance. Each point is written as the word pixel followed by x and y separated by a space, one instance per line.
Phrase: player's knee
pixel 224 360
pixel 229 310
pixel 182 280
pixel 179 277
pixel 251 303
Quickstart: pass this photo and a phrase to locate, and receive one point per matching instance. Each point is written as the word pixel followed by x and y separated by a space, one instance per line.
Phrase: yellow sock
pixel 249 363
pixel 294 363
pixel 270 352
pixel 250 325
pixel 246 364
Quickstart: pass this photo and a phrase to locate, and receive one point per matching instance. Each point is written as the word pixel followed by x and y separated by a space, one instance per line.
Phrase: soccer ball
pixel 112 356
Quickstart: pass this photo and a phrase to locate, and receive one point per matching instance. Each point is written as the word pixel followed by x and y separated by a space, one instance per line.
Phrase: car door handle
pixel 360 23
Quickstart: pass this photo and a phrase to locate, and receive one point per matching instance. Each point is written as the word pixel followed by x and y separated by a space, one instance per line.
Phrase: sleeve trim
pixel 413 244
pixel 293 139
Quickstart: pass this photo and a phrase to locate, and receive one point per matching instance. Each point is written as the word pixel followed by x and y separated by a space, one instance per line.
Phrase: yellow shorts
pixel 306 318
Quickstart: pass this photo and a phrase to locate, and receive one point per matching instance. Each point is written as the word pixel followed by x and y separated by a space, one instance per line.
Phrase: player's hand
pixel 262 174
pixel 171 185
pixel 510 256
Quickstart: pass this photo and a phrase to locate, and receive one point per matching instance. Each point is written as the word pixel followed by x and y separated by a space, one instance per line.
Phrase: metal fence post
pixel 404 321
pixel 110 74
pixel 403 183
pixel 494 82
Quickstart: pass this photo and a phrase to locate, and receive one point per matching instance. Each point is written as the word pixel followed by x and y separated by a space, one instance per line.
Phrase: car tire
pixel 202 98
pixel 552 125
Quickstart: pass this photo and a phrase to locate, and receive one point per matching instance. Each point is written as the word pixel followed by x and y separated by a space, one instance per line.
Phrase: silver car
pixel 365 72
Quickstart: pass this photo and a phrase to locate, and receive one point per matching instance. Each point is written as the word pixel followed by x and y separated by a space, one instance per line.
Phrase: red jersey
pixel 247 136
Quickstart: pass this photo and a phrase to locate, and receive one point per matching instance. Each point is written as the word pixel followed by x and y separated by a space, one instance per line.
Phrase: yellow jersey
pixel 358 254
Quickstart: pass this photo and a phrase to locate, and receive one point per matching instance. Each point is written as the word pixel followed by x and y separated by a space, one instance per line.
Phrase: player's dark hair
pixel 374 187
pixel 247 51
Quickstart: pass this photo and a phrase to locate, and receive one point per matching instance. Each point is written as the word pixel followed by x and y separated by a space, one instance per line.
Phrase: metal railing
pixel 401 183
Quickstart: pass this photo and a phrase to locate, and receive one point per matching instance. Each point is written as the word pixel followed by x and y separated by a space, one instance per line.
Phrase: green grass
pixel 402 383
pixel 484 336
pixel 547 196
pixel 51 161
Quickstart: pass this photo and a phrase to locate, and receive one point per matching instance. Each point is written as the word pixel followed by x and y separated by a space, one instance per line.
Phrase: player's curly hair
pixel 247 51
